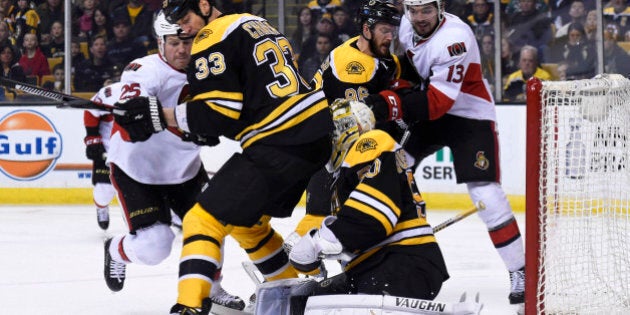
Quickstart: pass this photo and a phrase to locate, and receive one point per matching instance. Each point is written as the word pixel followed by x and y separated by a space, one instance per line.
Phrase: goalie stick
pixel 66 101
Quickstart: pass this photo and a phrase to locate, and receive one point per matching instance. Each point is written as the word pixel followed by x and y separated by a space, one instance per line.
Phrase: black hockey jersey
pixel 381 211
pixel 351 74
pixel 245 86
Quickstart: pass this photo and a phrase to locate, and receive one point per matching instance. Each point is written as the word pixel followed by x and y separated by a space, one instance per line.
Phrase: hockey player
pixel 455 109
pixel 361 66
pixel 98 127
pixel 161 174
pixel 245 86
pixel 381 233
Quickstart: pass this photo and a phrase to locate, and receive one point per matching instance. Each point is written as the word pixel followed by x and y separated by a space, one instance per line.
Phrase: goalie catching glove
pixel 307 254
pixel 140 117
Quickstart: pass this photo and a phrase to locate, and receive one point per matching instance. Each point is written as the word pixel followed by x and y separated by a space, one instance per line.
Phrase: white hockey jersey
pixel 164 158
pixel 450 60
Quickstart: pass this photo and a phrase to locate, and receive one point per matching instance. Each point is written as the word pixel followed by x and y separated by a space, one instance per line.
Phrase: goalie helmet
pixel 438 3
pixel 162 28
pixel 375 11
pixel 351 119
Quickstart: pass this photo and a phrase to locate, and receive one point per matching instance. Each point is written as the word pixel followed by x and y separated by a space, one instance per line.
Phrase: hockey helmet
pixel 375 11
pixel 438 3
pixel 174 10
pixel 351 119
pixel 162 27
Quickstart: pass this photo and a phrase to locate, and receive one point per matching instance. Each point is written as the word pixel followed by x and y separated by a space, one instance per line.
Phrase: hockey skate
pixel 224 302
pixel 114 271
pixel 179 309
pixel 517 288
pixel 102 216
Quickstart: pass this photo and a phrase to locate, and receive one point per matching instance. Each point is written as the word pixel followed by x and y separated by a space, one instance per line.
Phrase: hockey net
pixel 578 196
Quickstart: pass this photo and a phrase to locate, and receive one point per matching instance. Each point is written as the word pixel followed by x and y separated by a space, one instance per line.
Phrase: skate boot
pixel 179 309
pixel 102 216
pixel 222 299
pixel 517 288
pixel 114 271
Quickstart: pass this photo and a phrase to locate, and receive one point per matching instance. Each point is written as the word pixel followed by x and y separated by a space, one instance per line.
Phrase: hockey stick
pixel 460 216
pixel 66 101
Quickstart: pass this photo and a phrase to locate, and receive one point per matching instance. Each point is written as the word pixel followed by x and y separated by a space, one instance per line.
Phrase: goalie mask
pixel 351 119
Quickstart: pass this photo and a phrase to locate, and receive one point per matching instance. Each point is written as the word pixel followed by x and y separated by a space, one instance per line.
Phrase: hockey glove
pixel 386 105
pixel 307 254
pixel 94 149
pixel 200 140
pixel 140 117
pixel 399 85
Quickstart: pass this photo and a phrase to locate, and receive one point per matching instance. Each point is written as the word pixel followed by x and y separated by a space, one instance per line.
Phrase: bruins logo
pixel 482 162
pixel 365 145
pixel 203 35
pixel 355 67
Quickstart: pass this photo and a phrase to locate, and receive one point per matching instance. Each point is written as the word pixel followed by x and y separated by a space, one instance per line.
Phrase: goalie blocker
pixel 287 297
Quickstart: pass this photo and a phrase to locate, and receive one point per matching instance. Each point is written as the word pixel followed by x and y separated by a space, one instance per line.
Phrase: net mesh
pixel 584 261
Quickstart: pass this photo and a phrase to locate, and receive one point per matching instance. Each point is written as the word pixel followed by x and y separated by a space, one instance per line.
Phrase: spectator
pixel 75 53
pixel 33 60
pixel 323 47
pixel 577 14
pixel 5 32
pixel 514 6
pixel 618 12
pixel 123 49
pixel 577 53
pixel 529 26
pixel 487 59
pixel 90 75
pixel 482 19
pixel 141 20
pixel 26 21
pixel 9 57
pixel 590 26
pixel 321 7
pixel 49 12
pixel 305 28
pixel 100 25
pixel 509 57
pixel 562 71
pixel 514 89
pixel 85 22
pixel 325 25
pixel 59 75
pixel 345 28
pixel 9 9
pixel 560 11
pixel 56 45
pixel 616 59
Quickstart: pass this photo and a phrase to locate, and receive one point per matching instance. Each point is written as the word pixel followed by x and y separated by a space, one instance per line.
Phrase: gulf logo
pixel 29 145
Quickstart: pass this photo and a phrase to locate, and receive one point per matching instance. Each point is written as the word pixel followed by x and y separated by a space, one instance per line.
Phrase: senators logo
pixel 482 162
pixel 457 49
pixel 365 145
pixel 355 68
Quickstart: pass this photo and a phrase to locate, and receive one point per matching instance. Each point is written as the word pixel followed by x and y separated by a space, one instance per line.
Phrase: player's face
pixel 177 51
pixel 383 35
pixel 424 18
pixel 191 24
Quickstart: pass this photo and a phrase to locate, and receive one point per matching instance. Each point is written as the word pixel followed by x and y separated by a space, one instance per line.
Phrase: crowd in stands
pixel 106 35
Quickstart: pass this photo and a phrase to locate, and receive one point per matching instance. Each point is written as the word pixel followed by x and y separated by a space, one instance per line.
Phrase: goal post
pixel 578 196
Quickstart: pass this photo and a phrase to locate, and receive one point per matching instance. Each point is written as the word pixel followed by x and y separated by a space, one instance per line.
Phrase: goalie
pixel 381 233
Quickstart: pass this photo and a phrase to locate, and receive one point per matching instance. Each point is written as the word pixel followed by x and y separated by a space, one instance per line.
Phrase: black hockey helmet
pixel 374 11
pixel 174 10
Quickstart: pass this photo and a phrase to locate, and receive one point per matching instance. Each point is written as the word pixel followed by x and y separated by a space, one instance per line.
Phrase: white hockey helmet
pixel 438 3
pixel 162 27
pixel 351 119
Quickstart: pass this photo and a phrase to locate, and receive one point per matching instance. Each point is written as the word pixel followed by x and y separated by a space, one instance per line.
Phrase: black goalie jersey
pixel 245 86
pixel 380 212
